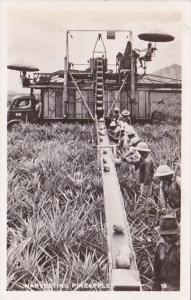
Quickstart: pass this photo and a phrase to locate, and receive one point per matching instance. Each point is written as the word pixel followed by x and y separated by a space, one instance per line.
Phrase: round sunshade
pixel 20 67
pixel 156 37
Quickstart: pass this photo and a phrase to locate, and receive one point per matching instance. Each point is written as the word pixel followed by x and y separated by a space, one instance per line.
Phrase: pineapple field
pixel 56 233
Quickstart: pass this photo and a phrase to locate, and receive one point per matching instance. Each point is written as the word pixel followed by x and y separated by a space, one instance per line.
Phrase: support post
pixel 65 87
pixel 133 96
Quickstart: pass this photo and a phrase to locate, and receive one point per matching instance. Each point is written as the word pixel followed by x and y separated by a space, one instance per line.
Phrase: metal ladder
pixel 99 91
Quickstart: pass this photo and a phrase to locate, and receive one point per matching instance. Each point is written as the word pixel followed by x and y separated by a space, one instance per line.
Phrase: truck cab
pixel 23 109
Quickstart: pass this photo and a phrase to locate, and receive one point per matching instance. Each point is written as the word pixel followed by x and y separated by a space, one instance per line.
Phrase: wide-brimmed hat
pixel 143 147
pixel 116 108
pixel 163 170
pixel 125 113
pixel 135 140
pixel 129 129
pixel 168 225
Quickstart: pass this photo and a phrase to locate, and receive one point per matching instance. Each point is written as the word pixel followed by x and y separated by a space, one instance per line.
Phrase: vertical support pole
pixel 65 87
pixel 132 89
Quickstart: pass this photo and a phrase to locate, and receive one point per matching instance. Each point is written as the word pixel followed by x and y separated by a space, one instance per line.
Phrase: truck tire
pixel 15 125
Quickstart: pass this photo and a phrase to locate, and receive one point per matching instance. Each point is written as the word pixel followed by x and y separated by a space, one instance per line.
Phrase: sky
pixel 37 35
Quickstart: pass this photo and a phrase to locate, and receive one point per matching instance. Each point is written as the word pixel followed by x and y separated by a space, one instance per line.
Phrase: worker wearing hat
pixel 170 190
pixel 116 117
pixel 132 152
pixel 132 155
pixel 116 113
pixel 114 126
pixel 116 108
pixel 127 133
pixel 146 169
pixel 167 256
pixel 122 125
pixel 124 121
pixel 125 116
pixel 148 54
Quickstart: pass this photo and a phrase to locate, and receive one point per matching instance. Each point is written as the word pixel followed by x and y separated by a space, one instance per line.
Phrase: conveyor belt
pixel 120 278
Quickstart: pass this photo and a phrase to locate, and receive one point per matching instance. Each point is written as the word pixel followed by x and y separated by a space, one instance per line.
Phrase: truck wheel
pixel 15 125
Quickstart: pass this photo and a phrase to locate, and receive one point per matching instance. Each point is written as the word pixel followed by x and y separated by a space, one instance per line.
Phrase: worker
pixel 132 152
pixel 25 79
pixel 167 256
pixel 120 61
pixel 124 60
pixel 118 131
pixel 169 191
pixel 148 54
pixel 114 127
pixel 127 133
pixel 145 166
pixel 125 116
pixel 28 104
pixel 38 108
pixel 116 113
pixel 133 155
pixel 115 118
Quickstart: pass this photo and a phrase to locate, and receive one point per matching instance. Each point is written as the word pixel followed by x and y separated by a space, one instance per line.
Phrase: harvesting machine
pixel 89 95
pixel 76 94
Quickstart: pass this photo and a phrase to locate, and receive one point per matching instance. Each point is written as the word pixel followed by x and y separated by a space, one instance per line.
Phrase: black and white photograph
pixel 95 192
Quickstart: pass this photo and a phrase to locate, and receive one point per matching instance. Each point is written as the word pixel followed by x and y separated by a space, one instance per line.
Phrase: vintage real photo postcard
pixel 95 149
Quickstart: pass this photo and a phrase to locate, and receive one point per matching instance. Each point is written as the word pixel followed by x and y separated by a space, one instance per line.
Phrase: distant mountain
pixel 173 71
pixel 20 93
pixel 11 92
pixel 17 93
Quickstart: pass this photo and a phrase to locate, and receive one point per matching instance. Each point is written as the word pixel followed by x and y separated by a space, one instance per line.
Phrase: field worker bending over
pixel 145 166
pixel 167 257
pixel 132 155
pixel 170 190
pixel 127 133
pixel 122 123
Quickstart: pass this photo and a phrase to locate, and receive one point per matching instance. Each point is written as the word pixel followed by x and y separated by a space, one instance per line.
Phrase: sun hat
pixel 129 130
pixel 168 225
pixel 135 140
pixel 163 170
pixel 125 113
pixel 116 108
pixel 142 147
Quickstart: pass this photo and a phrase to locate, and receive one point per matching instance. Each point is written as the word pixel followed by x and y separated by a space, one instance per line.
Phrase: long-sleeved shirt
pixel 170 193
pixel 167 266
